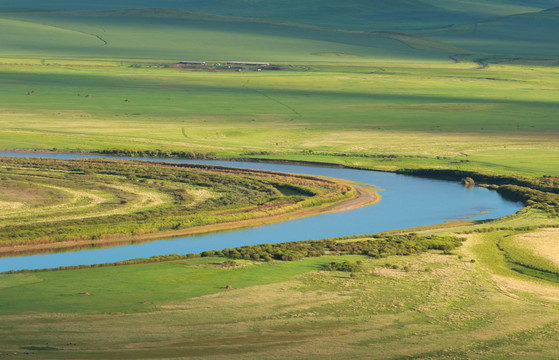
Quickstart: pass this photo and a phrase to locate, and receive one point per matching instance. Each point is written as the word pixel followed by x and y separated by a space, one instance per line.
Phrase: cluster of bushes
pixel 537 199
pixel 157 153
pixel 468 182
pixel 345 266
pixel 290 251
pixel 505 228
pixel 542 184
pixel 377 247
pixel 550 180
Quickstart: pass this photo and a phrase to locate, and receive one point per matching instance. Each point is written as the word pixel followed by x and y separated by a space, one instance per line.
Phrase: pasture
pixel 428 305
pixel 497 120
pixel 50 204
pixel 431 84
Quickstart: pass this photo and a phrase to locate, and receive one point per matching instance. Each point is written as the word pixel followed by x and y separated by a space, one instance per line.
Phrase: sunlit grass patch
pixel 536 250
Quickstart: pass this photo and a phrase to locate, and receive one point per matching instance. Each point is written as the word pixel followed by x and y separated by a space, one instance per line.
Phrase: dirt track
pixel 366 197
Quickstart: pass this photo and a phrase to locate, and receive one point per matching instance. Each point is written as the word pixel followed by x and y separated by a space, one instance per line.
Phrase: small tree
pixel 468 182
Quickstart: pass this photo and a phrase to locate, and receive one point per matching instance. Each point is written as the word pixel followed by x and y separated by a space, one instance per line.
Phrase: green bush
pixel 343 266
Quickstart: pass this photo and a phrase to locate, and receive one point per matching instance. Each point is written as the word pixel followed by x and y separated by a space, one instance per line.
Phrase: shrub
pixel 468 182
pixel 343 266
pixel 229 263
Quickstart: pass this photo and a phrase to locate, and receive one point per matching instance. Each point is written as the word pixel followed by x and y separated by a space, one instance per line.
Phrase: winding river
pixel 406 202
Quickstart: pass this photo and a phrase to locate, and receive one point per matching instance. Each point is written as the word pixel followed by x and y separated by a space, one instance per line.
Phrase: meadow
pixel 441 88
pixel 427 305
pixel 48 204
pixel 497 120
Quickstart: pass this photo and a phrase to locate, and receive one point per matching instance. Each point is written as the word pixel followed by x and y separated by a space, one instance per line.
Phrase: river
pixel 406 202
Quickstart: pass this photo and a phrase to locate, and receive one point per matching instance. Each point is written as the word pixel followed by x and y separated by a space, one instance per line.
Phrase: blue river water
pixel 406 202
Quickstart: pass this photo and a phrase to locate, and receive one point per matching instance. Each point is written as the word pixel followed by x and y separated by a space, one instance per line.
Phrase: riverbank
pixel 154 307
pixel 362 197
pixel 409 202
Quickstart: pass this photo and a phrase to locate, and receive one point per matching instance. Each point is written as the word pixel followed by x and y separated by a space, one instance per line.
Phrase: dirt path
pixel 365 197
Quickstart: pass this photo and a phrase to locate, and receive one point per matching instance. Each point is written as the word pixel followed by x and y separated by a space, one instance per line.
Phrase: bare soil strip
pixel 365 197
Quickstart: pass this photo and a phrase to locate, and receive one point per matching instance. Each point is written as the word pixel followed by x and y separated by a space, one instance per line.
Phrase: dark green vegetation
pixel 381 246
pixel 345 266
pixel 185 36
pixel 48 201
pixel 457 89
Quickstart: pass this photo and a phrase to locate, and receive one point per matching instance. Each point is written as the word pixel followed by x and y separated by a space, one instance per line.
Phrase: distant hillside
pixel 183 35
pixel 350 14
pixel 526 35
pixel 287 30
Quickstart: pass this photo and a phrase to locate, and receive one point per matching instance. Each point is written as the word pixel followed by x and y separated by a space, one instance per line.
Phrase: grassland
pixel 533 253
pixel 356 14
pixel 421 306
pixel 459 90
pixel 497 120
pixel 61 204
pixel 186 35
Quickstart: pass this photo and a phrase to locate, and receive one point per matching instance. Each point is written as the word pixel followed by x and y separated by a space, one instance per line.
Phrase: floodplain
pixel 426 88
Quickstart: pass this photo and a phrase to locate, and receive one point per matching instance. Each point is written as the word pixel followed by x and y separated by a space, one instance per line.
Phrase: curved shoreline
pixel 363 197
pixel 388 216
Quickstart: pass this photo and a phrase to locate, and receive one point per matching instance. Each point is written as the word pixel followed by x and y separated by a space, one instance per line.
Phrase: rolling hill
pixel 354 14
pixel 314 30
pixel 174 34
pixel 523 35
pixel 452 89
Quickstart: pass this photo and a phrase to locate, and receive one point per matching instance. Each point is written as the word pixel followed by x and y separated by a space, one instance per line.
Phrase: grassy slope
pixel 156 283
pixel 525 32
pixel 524 35
pixel 150 34
pixel 501 119
pixel 442 307
pixel 21 35
pixel 354 14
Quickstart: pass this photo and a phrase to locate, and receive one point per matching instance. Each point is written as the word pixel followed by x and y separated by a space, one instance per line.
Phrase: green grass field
pixel 62 204
pixel 455 84
pixel 500 119
pixel 425 306
pixel 149 34
pixel 523 35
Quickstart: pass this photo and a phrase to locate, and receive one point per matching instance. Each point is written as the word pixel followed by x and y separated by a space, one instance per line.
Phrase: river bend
pixel 406 202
